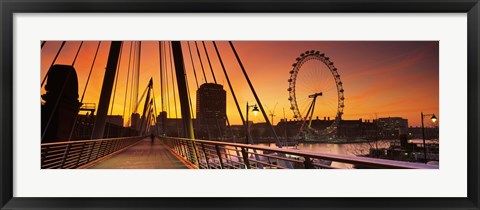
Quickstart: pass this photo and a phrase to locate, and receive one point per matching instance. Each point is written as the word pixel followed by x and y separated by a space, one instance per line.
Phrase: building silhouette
pixel 61 104
pixel 113 127
pixel 392 127
pixel 211 111
pixel 162 123
pixel 135 121
pixel 115 120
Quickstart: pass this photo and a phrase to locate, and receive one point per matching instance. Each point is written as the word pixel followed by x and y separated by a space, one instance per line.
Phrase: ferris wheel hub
pixel 315 95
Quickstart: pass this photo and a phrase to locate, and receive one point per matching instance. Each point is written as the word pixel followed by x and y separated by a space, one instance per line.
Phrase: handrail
pixel 89 140
pixel 74 154
pixel 225 151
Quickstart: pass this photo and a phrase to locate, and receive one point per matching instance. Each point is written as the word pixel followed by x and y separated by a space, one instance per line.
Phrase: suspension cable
pixel 126 88
pixel 191 107
pixel 209 63
pixel 205 79
pixel 43 43
pixel 155 109
pixel 161 73
pixel 174 89
pixel 149 120
pixel 231 89
pixel 193 65
pixel 201 63
pixel 215 81
pixel 79 48
pixel 229 83
pixel 138 71
pixel 53 62
pixel 140 99
pixel 84 90
pixel 148 113
pixel 154 103
pixel 226 117
pixel 132 83
pixel 90 72
pixel 162 86
pixel 154 121
pixel 166 81
pixel 279 144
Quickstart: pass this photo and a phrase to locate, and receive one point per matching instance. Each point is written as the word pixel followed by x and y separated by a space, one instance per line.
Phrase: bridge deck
pixel 143 155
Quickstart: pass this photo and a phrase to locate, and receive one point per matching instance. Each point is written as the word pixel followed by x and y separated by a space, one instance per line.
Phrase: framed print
pixel 210 104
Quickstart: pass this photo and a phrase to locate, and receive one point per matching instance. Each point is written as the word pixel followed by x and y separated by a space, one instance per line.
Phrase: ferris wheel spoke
pixel 331 90
pixel 330 107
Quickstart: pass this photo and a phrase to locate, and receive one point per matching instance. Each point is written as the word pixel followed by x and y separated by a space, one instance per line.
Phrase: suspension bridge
pixel 80 134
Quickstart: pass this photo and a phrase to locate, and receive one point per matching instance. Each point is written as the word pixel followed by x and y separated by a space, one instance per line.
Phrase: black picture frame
pixel 10 7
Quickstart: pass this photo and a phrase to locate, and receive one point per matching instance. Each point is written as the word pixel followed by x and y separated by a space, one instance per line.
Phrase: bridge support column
pixel 183 95
pixel 108 79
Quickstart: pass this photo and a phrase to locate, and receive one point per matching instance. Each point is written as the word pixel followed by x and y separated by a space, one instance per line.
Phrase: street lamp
pixel 434 119
pixel 255 111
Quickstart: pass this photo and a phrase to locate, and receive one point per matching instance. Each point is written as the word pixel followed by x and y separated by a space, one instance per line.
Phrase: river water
pixel 345 149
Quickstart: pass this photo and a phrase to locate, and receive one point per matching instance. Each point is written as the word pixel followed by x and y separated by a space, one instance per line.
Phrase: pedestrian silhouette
pixel 152 137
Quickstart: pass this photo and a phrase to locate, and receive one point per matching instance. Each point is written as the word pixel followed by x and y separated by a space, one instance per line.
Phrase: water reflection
pixel 345 149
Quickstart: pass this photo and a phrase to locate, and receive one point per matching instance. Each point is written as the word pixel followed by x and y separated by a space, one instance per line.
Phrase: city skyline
pixel 381 79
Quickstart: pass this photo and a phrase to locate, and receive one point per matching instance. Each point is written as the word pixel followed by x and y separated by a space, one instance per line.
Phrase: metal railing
pixel 74 154
pixel 223 155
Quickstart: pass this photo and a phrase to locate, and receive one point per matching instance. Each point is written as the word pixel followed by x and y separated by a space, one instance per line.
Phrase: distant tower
pixel 135 121
pixel 61 104
pixel 162 122
pixel 211 110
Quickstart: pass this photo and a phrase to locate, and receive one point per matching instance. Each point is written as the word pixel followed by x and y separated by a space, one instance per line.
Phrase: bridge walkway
pixel 143 155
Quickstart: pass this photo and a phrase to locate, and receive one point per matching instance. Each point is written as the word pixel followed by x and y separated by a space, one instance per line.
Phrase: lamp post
pixel 434 119
pixel 255 111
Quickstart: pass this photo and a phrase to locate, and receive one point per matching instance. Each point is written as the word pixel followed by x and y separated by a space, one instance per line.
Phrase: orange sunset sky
pixel 380 78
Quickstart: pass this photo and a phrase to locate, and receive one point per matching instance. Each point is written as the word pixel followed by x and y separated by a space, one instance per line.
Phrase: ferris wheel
pixel 315 90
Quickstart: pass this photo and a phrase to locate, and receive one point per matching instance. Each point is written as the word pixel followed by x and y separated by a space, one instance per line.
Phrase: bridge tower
pixel 108 79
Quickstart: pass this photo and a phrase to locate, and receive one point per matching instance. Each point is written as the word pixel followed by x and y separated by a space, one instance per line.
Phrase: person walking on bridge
pixel 152 137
